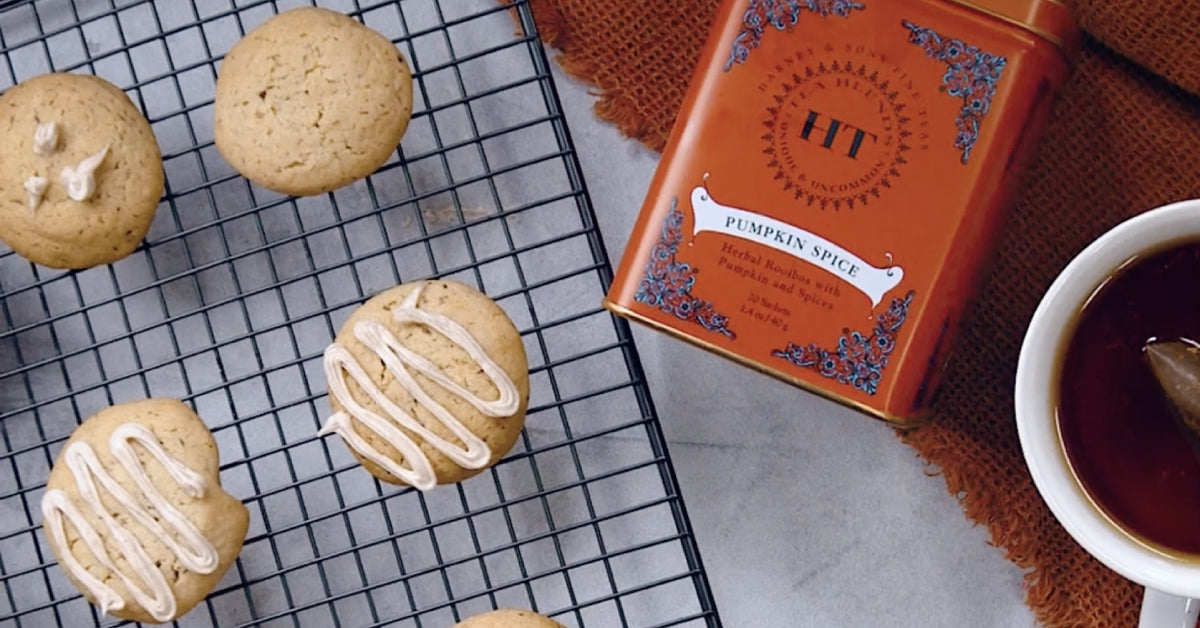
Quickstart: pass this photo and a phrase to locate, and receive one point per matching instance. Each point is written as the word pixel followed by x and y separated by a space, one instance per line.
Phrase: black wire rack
pixel 236 291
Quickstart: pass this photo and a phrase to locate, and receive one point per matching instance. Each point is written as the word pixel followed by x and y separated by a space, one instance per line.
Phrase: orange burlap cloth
pixel 1125 137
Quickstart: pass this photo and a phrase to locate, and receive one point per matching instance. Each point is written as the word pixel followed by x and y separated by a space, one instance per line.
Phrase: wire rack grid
pixel 230 301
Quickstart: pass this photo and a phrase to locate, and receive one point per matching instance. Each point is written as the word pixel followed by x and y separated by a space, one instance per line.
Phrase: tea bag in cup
pixel 1176 366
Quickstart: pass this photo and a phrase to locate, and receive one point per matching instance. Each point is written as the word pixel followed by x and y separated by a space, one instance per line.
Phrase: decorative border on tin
pixel 668 282
pixel 859 359
pixel 783 15
pixel 972 76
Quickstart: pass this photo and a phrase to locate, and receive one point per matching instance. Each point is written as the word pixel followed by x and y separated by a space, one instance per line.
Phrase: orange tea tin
pixel 834 184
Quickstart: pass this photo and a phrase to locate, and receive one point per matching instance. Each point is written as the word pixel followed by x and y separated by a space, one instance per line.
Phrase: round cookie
pixel 508 618
pixel 310 101
pixel 121 439
pixel 57 124
pixel 427 329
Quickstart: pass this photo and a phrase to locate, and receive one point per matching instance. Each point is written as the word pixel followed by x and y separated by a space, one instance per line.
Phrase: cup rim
pixel 1034 395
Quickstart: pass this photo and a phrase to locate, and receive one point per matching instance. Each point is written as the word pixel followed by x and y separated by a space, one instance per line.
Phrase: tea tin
pixel 835 182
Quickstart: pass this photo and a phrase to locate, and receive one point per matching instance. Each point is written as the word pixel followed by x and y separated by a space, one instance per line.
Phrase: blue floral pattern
pixel 668 282
pixel 859 359
pixel 971 75
pixel 782 14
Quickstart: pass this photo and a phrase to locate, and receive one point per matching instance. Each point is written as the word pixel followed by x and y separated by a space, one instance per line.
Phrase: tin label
pixel 806 246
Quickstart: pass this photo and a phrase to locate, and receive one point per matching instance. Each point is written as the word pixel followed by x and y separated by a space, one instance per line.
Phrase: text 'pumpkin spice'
pixel 834 183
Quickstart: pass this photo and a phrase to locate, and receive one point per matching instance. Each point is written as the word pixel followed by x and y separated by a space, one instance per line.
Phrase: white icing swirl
pixel 35 190
pixel 147 585
pixel 45 138
pixel 475 453
pixel 80 181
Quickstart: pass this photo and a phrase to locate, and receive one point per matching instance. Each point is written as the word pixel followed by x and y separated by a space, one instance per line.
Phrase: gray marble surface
pixel 806 513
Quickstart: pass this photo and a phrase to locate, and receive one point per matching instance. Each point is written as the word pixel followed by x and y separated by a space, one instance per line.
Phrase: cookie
pixel 310 101
pixel 82 174
pixel 428 383
pixel 508 618
pixel 157 532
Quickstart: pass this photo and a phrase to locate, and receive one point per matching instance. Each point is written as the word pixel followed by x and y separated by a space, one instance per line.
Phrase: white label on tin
pixel 709 215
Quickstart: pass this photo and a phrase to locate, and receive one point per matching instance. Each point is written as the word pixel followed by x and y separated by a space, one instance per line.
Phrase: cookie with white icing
pixel 428 383
pixel 508 618
pixel 135 513
pixel 82 174
pixel 311 100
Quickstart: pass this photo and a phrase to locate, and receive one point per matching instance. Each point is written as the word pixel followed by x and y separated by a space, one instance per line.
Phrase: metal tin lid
pixel 1049 19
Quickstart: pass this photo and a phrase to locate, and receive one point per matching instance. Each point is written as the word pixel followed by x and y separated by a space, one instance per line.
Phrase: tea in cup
pixel 1105 444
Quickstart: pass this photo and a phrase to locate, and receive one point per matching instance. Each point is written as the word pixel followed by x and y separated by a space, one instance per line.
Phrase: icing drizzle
pixel 80 180
pixel 35 190
pixel 147 584
pixel 398 359
pixel 45 138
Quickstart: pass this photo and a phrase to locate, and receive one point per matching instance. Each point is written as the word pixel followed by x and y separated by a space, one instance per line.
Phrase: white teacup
pixel 1172 583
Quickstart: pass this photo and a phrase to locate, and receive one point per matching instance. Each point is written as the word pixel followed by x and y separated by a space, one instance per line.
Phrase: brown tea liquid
pixel 1120 438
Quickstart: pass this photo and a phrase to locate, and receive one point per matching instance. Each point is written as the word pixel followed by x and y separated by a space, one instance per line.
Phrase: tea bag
pixel 1176 366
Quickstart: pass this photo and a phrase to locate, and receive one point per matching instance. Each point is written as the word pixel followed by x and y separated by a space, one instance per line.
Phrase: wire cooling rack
pixel 236 292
